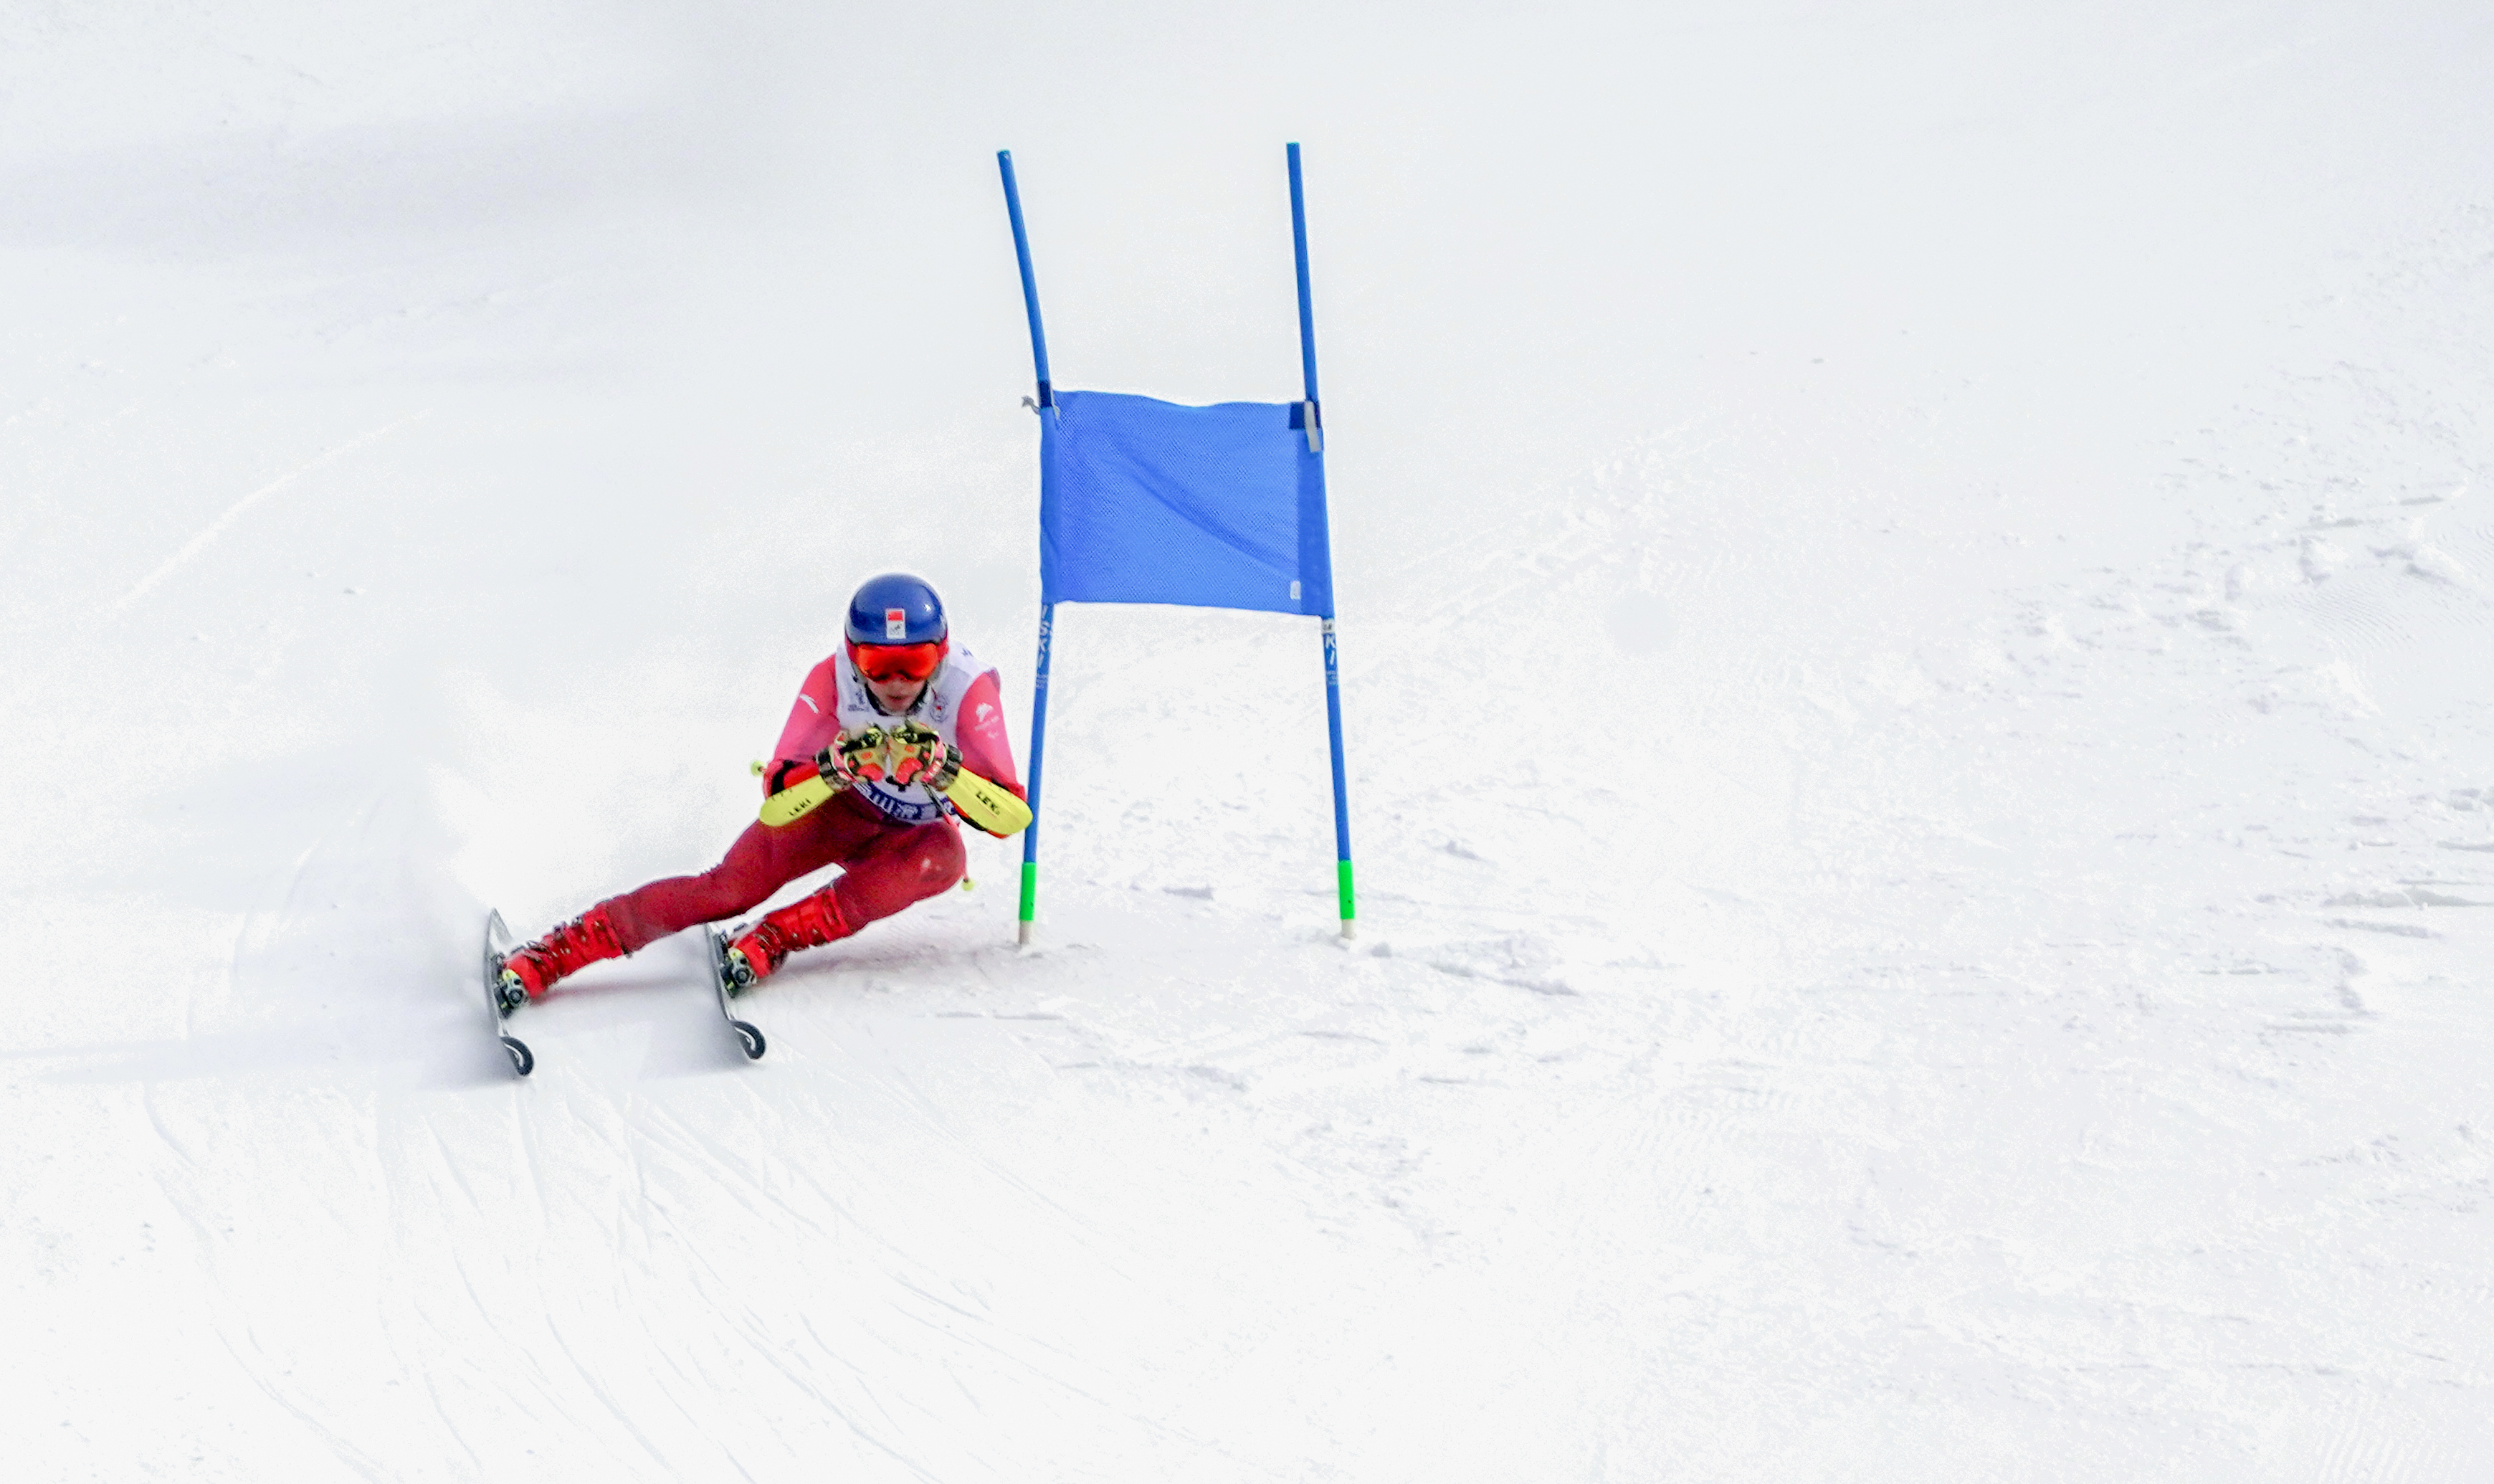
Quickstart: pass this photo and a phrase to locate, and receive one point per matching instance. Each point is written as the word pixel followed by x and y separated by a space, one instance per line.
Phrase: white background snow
pixel 1918 614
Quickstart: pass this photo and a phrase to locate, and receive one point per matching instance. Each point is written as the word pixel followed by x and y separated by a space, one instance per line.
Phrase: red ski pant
pixel 888 866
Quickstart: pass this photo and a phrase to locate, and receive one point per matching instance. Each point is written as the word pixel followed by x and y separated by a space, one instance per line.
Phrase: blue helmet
pixel 896 608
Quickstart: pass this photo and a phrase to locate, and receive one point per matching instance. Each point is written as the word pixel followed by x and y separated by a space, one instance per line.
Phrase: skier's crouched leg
pixel 902 867
pixel 757 866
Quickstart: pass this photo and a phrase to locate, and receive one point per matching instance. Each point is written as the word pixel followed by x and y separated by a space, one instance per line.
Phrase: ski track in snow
pixel 238 508
pixel 1925 886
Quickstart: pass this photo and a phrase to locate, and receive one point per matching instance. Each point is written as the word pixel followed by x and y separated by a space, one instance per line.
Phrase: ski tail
pixel 749 1036
pixel 498 949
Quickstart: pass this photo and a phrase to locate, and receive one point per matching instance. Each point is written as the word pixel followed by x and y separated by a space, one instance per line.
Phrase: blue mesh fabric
pixel 1147 501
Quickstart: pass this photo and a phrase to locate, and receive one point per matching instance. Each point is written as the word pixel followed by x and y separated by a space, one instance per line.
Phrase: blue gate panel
pixel 1148 501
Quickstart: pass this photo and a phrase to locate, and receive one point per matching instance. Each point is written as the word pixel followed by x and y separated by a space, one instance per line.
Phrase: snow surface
pixel 1916 584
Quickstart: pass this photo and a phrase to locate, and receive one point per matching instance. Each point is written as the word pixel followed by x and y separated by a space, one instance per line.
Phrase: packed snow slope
pixel 1918 616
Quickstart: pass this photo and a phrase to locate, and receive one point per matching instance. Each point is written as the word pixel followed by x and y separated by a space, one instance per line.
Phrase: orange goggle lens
pixel 897 661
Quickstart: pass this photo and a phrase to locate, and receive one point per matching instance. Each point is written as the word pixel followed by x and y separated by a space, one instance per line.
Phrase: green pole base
pixel 1029 897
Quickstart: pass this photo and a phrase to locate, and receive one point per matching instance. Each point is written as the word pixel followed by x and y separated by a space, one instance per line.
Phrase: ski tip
pixel 523 1060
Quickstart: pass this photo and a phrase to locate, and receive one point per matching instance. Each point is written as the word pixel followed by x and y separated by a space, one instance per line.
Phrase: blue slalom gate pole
pixel 1045 402
pixel 1030 284
pixel 1038 751
pixel 1307 313
pixel 1316 449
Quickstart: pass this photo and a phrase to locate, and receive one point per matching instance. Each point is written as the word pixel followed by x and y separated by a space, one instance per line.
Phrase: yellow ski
pixel 983 803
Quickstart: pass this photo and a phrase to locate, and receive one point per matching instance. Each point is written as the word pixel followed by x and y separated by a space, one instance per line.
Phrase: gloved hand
pixel 855 757
pixel 920 756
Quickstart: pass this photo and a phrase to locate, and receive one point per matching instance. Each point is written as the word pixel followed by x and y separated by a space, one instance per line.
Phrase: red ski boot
pixel 756 952
pixel 533 967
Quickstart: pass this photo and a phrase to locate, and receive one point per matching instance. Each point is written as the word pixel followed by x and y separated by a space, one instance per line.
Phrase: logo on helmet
pixel 895 624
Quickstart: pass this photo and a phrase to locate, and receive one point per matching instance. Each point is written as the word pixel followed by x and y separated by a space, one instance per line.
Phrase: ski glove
pixel 920 756
pixel 854 757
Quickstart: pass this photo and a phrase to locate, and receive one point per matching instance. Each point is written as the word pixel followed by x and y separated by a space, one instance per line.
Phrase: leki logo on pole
pixel 895 624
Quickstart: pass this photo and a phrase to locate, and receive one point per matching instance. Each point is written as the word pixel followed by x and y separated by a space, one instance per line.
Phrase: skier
pixel 889 717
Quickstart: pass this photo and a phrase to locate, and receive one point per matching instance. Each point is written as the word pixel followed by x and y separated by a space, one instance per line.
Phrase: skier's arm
pixel 985 751
pixel 811 727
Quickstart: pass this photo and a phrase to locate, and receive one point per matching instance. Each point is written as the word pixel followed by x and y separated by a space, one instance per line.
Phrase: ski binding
pixel 497 948
pixel 746 1034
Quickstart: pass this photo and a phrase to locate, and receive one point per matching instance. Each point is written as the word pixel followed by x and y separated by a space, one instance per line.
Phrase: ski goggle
pixel 889 662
